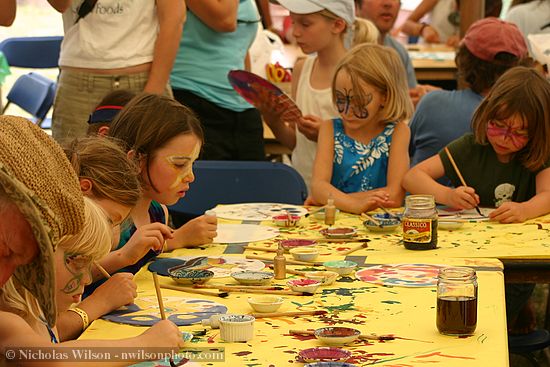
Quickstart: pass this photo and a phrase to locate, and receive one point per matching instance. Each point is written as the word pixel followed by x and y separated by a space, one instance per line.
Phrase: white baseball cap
pixel 345 9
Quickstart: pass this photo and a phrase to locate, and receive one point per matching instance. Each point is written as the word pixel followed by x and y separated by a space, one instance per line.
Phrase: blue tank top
pixel 357 166
pixel 156 214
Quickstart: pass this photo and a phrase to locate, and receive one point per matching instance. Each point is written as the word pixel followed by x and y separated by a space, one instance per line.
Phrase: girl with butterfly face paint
pixel 362 156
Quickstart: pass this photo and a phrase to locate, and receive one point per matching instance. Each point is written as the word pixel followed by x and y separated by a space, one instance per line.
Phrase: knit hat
pixel 38 178
pixel 489 36
pixel 345 9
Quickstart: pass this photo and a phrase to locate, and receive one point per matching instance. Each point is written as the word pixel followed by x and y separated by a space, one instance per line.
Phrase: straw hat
pixel 38 178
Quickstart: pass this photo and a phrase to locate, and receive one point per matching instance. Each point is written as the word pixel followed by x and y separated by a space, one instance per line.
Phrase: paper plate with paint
pixel 222 266
pixel 257 211
pixel 262 93
pixel 181 311
pixel 244 233
pixel 401 275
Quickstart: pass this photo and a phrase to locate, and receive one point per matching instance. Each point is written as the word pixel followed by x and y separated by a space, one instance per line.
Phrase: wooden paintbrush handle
pixel 290 313
pixel 353 249
pixel 288 261
pixel 190 290
pixel 258 248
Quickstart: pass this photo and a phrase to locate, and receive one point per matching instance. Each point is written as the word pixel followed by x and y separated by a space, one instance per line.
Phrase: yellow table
pixel 529 240
pixel 408 313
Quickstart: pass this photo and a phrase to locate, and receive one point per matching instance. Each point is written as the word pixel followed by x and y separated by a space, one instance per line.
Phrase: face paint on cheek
pixel 73 284
pixel 75 265
pixel 183 172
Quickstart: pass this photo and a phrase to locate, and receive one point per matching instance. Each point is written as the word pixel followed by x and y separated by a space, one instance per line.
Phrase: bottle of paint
pixel 279 264
pixel 330 211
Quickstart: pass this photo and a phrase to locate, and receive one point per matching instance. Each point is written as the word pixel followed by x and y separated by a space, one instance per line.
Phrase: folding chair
pixel 32 52
pixel 232 182
pixel 33 93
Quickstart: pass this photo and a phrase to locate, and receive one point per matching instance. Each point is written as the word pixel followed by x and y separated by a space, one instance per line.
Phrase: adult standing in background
pixel 532 17
pixel 218 34
pixel 109 45
pixel 8 10
pixel 383 13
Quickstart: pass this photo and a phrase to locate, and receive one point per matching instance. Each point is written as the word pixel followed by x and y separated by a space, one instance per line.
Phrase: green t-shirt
pixel 495 182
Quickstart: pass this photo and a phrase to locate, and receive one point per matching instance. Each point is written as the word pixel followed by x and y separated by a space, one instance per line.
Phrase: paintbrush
pixel 264 291
pixel 161 305
pixel 392 215
pixel 260 315
pixel 372 219
pixel 222 286
pixel 362 336
pixel 196 291
pixel 288 261
pixel 258 248
pixel 354 248
pixel 451 159
pixel 314 211
pixel 291 271
pixel 102 270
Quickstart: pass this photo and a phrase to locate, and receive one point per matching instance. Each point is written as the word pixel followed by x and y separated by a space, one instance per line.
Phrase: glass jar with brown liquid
pixel 456 301
pixel 420 223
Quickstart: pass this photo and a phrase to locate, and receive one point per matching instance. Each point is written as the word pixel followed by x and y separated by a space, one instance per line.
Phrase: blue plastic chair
pixel 232 182
pixel 33 93
pixel 32 52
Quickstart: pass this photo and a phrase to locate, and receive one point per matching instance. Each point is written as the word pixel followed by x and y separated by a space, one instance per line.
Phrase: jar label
pixel 417 230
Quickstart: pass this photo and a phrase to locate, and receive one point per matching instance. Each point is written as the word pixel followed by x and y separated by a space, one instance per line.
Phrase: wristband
pixel 83 315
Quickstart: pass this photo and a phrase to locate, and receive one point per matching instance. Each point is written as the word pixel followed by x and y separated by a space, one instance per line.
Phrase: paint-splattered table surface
pixel 529 240
pixel 406 312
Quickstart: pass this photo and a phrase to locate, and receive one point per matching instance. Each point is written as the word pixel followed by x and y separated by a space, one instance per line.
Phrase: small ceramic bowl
pixel 304 285
pixel 330 364
pixel 342 267
pixel 237 328
pixel 387 223
pixel 324 354
pixel 294 243
pixel 253 277
pixel 325 277
pixel 284 220
pixel 338 232
pixel 320 215
pixel 336 335
pixel 265 303
pixel 304 253
pixel 190 276
pixel 448 225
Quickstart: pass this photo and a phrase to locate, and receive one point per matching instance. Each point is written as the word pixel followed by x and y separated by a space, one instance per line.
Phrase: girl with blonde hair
pixel 363 155
pixel 324 30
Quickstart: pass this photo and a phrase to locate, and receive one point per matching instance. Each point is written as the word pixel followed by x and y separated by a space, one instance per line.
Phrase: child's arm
pixel 147 237
pixel 321 187
pixel 117 291
pixel 284 131
pixel 421 179
pixel 538 205
pixel 196 232
pixel 16 333
pixel 398 163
